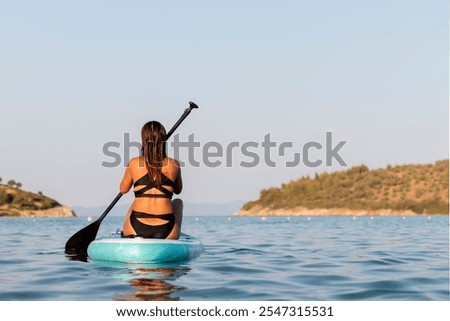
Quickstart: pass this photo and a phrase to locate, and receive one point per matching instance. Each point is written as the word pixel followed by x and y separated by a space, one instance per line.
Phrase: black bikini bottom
pixel 151 231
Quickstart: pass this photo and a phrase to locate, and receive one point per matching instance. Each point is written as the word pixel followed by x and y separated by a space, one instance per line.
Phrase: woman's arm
pixel 178 181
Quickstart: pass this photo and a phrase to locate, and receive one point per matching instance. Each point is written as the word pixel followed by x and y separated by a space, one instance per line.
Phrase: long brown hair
pixel 153 136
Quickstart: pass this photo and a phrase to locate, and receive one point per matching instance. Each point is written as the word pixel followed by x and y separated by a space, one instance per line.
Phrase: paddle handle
pixel 185 114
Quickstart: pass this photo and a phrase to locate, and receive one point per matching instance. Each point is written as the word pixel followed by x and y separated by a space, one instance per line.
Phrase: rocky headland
pixel 15 202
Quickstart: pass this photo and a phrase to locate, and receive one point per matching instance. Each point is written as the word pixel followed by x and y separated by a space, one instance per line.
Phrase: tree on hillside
pixel 11 183
pixel 18 185
pixel 1 179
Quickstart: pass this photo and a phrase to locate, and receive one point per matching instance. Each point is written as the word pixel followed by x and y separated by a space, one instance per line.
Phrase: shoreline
pixel 54 212
pixel 303 211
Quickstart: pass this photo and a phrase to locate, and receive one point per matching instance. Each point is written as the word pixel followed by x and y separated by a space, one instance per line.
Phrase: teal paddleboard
pixel 140 250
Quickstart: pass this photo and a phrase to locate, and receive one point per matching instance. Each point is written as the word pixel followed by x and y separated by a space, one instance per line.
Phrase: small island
pixel 15 202
pixel 394 190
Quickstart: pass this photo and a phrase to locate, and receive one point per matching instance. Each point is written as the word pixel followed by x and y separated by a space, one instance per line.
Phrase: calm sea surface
pixel 322 258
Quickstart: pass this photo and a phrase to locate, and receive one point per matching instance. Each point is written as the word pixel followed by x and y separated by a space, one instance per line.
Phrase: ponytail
pixel 154 149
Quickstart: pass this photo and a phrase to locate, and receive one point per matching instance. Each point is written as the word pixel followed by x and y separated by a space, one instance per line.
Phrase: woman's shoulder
pixel 135 162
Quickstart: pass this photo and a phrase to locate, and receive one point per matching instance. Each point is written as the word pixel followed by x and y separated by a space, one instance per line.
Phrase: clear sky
pixel 75 75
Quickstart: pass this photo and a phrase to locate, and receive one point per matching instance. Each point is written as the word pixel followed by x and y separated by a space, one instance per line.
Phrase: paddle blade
pixel 80 241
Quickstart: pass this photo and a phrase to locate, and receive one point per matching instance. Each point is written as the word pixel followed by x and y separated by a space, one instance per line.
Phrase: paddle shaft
pixel 187 111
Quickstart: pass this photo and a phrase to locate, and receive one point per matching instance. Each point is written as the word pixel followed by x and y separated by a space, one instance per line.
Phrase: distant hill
pixel 409 189
pixel 17 202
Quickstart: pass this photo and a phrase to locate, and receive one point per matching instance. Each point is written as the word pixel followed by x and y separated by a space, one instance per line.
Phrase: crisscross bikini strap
pixel 165 191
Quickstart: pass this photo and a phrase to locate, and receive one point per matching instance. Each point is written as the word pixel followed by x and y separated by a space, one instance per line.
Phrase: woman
pixel 156 178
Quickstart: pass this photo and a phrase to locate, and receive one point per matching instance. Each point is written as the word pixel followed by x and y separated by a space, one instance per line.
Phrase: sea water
pixel 245 258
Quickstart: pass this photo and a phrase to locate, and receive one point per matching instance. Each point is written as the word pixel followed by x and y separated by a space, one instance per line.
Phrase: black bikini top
pixel 149 184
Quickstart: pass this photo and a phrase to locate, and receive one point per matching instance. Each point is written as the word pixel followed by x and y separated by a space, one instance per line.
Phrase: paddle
pixel 80 241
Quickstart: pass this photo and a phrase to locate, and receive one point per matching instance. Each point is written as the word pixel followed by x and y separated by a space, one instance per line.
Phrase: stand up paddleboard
pixel 140 250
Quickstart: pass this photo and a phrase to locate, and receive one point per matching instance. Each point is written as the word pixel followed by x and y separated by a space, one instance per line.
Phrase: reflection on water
pixel 77 257
pixel 150 282
pixel 153 284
